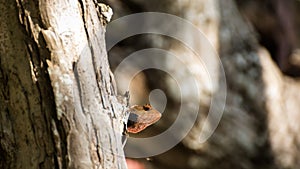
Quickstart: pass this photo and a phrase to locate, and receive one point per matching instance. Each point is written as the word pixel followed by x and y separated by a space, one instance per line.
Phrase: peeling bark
pixel 59 108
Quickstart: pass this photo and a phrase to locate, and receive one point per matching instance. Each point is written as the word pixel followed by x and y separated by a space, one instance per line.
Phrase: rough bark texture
pixel 58 104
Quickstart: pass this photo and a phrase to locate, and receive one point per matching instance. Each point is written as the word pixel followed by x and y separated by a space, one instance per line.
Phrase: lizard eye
pixel 147 107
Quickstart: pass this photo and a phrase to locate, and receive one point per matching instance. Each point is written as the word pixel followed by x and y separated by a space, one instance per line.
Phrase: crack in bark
pixel 78 84
pixel 97 143
pixel 97 146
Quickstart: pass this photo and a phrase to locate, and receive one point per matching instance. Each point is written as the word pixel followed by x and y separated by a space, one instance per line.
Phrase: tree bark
pixel 59 107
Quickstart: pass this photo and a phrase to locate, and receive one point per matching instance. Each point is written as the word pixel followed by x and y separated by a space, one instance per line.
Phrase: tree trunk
pixel 58 103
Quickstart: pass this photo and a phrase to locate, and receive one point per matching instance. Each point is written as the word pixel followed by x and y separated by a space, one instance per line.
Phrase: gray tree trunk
pixel 58 103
